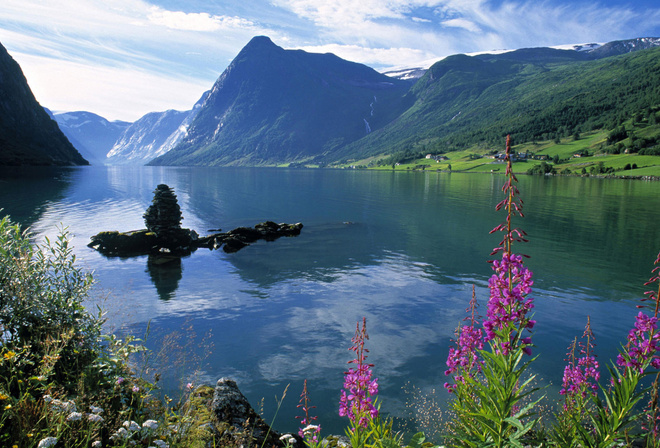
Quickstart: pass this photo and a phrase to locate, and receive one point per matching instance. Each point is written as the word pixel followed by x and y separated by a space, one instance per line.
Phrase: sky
pixel 124 58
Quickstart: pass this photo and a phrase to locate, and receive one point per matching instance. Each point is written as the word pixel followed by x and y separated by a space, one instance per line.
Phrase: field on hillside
pixel 593 153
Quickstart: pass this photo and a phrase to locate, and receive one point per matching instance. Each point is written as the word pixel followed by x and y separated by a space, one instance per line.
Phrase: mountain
pixel 151 136
pixel 273 106
pixel 92 135
pixel 532 94
pixel 28 136
pixel 588 50
pixel 619 47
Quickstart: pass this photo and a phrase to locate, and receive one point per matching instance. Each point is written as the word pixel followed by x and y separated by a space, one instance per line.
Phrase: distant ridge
pixel 91 134
pixel 592 50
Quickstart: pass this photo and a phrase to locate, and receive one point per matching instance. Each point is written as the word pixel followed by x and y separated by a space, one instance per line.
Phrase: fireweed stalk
pixel 581 375
pixel 357 400
pixel 463 359
pixel 488 401
pixel 308 431
pixel 579 387
pixel 616 415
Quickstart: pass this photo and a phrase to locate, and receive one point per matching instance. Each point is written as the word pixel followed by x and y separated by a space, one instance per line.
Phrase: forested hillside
pixel 533 95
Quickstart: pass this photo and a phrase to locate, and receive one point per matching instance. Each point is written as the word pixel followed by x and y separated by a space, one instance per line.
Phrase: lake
pixel 402 249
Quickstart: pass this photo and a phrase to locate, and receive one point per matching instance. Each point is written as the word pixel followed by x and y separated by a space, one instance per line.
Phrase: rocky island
pixel 165 236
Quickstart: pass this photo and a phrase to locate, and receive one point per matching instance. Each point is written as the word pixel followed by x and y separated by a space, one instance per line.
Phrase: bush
pixel 41 310
pixel 61 381
pixel 542 168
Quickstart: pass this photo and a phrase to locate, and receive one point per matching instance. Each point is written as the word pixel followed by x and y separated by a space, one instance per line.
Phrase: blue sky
pixel 124 58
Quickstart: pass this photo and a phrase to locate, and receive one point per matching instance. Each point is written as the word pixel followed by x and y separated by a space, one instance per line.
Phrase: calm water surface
pixel 402 249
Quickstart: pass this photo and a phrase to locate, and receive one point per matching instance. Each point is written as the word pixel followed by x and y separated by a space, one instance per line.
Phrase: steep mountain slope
pixel 152 135
pixel 28 136
pixel 530 93
pixel 273 106
pixel 92 135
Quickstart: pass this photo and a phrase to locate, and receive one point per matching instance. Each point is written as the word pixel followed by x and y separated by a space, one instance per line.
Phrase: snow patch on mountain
pixel 153 135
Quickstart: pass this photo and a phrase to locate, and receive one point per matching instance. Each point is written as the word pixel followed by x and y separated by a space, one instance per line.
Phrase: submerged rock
pixel 144 242
pixel 164 234
pixel 182 242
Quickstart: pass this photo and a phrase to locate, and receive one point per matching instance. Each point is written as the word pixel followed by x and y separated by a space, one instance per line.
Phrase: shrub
pixel 41 310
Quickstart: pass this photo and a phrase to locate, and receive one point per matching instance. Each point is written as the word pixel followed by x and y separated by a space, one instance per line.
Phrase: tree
pixel 543 168
pixel 164 213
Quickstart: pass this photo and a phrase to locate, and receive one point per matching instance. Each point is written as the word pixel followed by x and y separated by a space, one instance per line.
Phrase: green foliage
pixel 41 307
pixel 616 135
pixel 378 434
pixel 60 378
pixel 494 410
pixel 542 168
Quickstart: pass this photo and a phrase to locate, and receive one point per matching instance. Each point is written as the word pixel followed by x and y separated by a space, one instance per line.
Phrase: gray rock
pixel 238 420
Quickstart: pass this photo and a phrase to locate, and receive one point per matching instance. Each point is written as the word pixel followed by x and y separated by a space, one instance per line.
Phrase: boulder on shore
pixel 222 416
pixel 238 418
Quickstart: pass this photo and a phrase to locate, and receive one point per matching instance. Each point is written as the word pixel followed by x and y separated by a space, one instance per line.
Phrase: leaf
pixel 416 441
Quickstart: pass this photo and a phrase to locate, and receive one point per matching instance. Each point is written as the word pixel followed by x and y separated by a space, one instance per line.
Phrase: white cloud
pixel 112 92
pixel 372 56
pixel 119 59
pixel 462 23
pixel 202 21
pixel 470 25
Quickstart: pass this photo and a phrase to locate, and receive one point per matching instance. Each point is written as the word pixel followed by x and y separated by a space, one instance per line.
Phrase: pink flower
pixel 356 401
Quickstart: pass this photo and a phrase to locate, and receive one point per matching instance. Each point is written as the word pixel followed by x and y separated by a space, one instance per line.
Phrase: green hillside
pixel 471 103
pixel 591 153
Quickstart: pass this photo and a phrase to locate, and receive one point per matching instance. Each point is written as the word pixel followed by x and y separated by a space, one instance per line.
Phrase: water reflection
pixel 165 273
pixel 26 192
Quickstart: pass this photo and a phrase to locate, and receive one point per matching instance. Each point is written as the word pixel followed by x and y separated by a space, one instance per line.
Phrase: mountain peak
pixel 260 42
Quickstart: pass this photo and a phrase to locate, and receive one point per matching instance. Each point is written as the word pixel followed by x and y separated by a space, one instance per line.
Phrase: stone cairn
pixel 164 214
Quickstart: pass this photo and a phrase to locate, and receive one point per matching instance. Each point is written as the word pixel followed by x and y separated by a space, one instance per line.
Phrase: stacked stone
pixel 163 216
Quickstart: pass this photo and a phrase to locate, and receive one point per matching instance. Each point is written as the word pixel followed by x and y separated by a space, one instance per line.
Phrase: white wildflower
pixel 96 410
pixel 120 434
pixel 48 398
pixel 150 424
pixel 97 444
pixel 57 405
pixel 288 439
pixel 131 426
pixel 161 444
pixel 47 442
pixel 310 428
pixel 74 416
pixel 95 418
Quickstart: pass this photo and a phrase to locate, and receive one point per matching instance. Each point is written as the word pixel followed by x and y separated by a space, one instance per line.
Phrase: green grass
pixel 594 142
